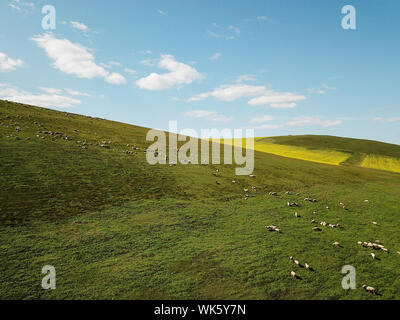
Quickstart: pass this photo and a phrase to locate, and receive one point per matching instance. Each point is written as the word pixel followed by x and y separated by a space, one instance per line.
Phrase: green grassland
pixel 115 227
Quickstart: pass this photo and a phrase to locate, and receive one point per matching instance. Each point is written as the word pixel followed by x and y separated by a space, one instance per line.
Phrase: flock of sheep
pixel 377 245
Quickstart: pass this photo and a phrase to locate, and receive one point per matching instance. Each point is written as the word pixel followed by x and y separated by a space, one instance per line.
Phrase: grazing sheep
pixel 313 221
pixel 398 252
pixel 293 274
pixel 385 250
pixel 307 266
pixel 373 255
pixel 316 229
pixel 291 258
pixel 273 228
pixel 292 204
pixel 374 223
pixel 272 193
pixel 252 176
pixel 366 201
pixel 288 193
pixel 297 262
pixel 233 181
pixel 336 244
pixel 359 243
pixel 296 214
pixel 369 289
pixel 327 207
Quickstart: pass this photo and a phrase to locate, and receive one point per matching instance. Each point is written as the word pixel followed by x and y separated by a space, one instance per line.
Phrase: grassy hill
pixel 332 150
pixel 115 227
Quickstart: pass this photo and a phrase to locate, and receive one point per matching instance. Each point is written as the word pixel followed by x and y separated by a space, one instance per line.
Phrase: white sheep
pixel 307 266
pixel 373 255
pixel 293 274
pixel 369 289
pixel 336 244
pixel 297 262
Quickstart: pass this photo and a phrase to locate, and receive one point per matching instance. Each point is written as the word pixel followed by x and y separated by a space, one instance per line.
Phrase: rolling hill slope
pixel 332 150
pixel 115 227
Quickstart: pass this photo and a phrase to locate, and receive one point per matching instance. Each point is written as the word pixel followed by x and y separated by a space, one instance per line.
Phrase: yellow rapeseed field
pixel 320 156
pixel 381 163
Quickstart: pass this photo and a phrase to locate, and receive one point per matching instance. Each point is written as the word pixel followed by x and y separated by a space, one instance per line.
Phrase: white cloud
pixel 387 120
pixel 75 59
pixel 314 90
pixel 262 95
pixel 216 56
pixel 7 64
pixel 302 121
pixel 149 62
pixel 287 105
pixel 162 12
pixel 308 121
pixel 235 29
pixel 228 33
pixel 319 90
pixel 16 94
pixel 231 92
pixel 12 5
pixel 212 34
pixel 115 78
pixel 130 71
pixel 262 119
pixel 261 18
pixel 111 64
pixel 21 6
pixel 208 115
pixel 179 74
pixel 77 93
pixel 51 90
pixel 79 26
pixel 245 78
pixel 277 99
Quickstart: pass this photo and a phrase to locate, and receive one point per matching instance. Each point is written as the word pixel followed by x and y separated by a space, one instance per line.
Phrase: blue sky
pixel 281 67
